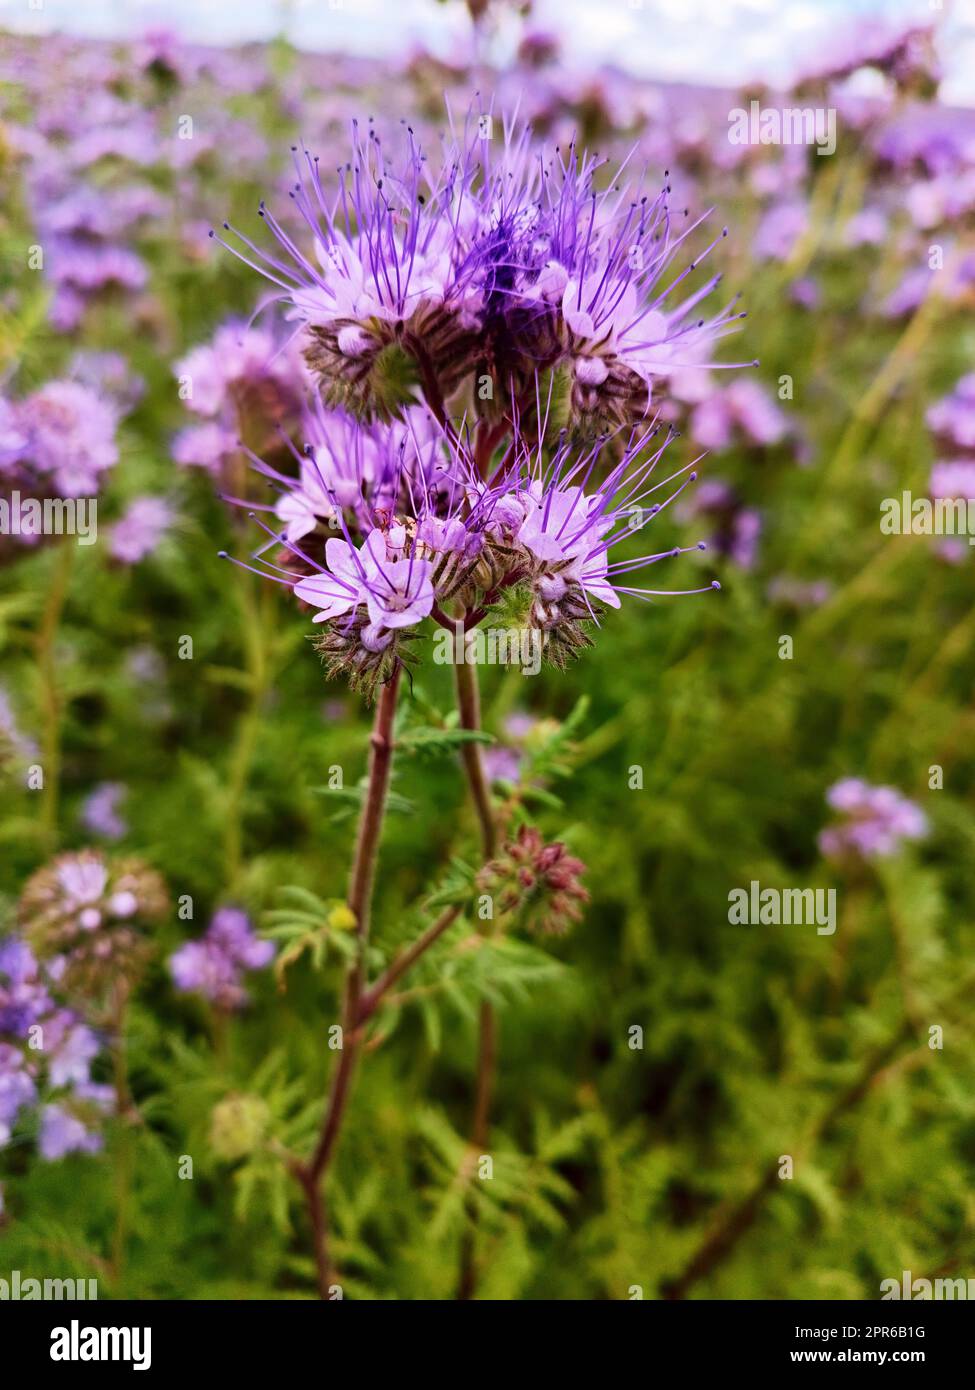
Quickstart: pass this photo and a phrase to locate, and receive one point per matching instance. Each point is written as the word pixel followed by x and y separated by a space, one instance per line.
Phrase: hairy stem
pixel 312 1174
pixel 469 708
pixel 372 997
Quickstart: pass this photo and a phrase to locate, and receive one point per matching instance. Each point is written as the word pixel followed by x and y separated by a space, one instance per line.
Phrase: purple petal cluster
pixel 84 914
pixel 496 253
pixel 139 530
pixel 100 811
pixel 952 419
pixel 59 440
pixel 245 385
pixel 46 1054
pixel 874 821
pixel 215 965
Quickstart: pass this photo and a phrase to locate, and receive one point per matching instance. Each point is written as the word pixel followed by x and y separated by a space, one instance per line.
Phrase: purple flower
pixel 46 1053
pixel 563 529
pixel 99 813
pixel 109 375
pixel 396 590
pixel 356 468
pixel 204 446
pixel 214 965
pixel 874 821
pixel 230 928
pixel 513 255
pixel 63 1133
pixel 738 527
pixel 952 419
pixel 780 229
pixel 69 436
pixel 745 406
pixel 17 1088
pixel 81 271
pixel 72 1055
pixel 501 764
pixel 239 360
pixel 87 911
pixel 953 479
pixel 868 227
pixel 13 436
pixel 139 530
pixel 899 48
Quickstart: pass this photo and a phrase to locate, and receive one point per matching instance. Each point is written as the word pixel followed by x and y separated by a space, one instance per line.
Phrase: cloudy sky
pixel 718 41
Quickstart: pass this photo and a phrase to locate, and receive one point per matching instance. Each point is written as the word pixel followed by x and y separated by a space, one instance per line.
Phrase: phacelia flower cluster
pixel 421 534
pixel 215 965
pixel 247 388
pixel 492 262
pixel 84 913
pixel 46 1055
pixel 57 442
pixel 408 495
pixel 874 821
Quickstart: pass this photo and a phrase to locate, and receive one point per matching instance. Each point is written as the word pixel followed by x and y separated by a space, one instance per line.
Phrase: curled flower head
pixel 362 471
pixel 537 881
pixel 377 286
pixel 84 913
pixel 557 521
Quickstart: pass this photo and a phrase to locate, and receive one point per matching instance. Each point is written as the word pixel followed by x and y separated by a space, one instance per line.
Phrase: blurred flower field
pixel 602 1085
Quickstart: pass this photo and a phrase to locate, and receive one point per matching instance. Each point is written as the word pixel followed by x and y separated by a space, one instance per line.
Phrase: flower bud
pixel 238 1126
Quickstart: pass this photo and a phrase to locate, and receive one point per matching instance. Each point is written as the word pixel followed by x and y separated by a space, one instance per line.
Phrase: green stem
pixel 51 700
pixel 254 612
pixel 124 1108
pixel 469 708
